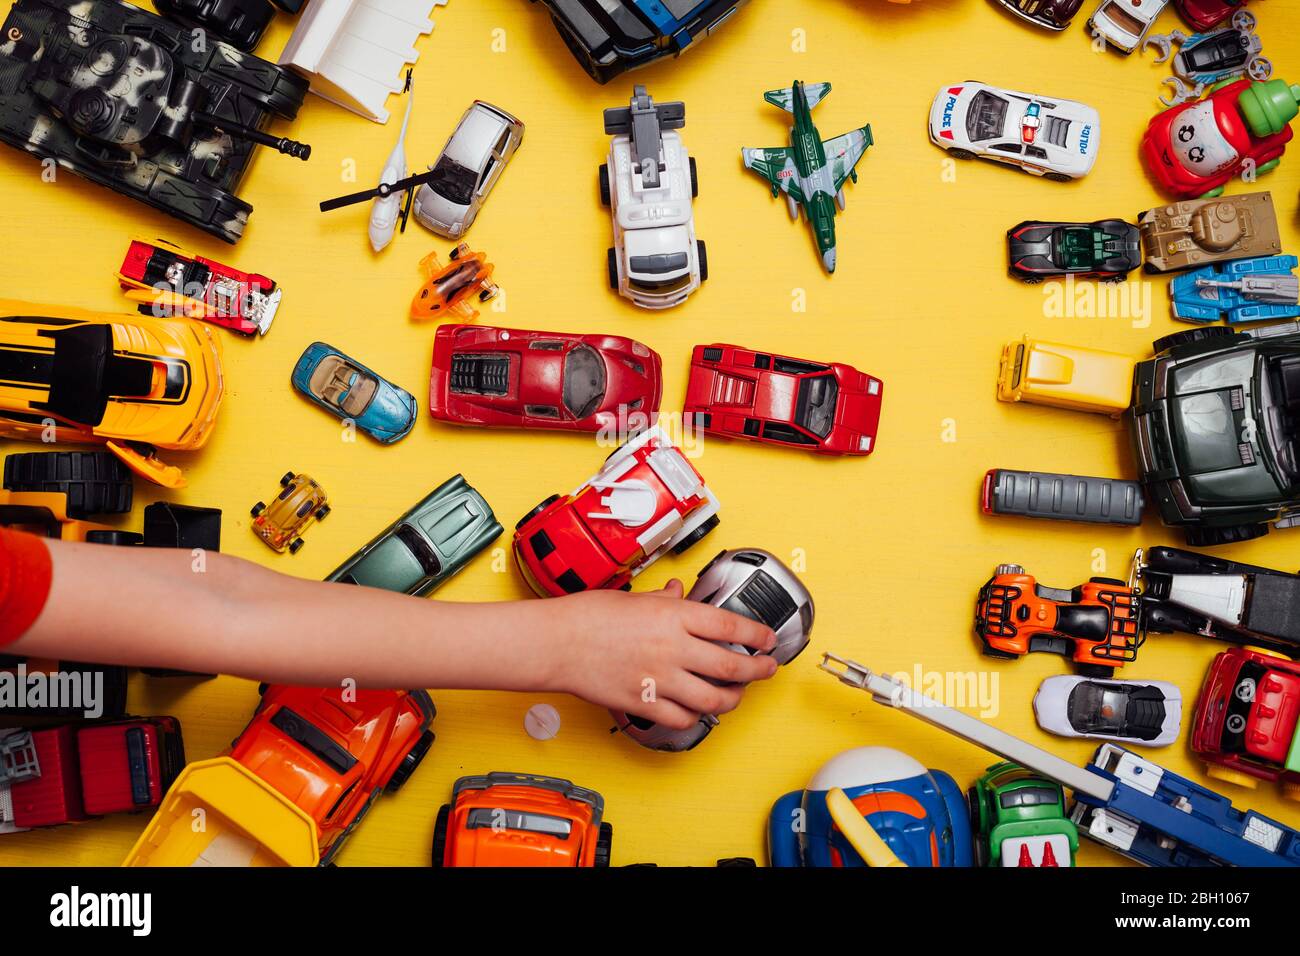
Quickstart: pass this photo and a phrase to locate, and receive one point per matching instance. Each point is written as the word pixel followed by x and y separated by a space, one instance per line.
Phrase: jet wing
pixel 843 153
pixel 776 166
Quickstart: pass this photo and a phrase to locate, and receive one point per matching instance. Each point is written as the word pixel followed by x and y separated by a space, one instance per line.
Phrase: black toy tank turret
pixel 147 108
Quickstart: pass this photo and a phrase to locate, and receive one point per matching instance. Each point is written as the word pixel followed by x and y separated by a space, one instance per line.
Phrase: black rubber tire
pixel 454 254
pixel 695 179
pixel 604 845
pixel 611 265
pixel 287 477
pixel 251 16
pixel 1030 280
pixel 996 654
pixel 536 511
pixel 681 547
pixel 961 153
pixel 410 762
pixel 257 509
pixel 116 538
pixel 323 512
pixel 978 843
pixel 1188 336
pixel 1058 177
pixel 440 834
pixel 703 252
pixel 296 545
pixel 606 196
pixel 1209 537
pixel 1098 671
pixel 1115 581
pixel 95 482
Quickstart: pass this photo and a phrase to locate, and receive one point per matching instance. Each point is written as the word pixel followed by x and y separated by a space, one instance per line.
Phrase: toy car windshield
pixel 1280 401
pixel 987 117
pixel 85 373
pixel 453 182
pixel 1120 711
pixel 584 381
pixel 815 404
pixel 518 820
pixel 1028 797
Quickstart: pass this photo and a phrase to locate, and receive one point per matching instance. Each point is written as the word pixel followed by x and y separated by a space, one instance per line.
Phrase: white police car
pixel 1053 138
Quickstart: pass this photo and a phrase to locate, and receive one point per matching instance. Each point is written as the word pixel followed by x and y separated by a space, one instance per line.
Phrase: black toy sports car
pixel 1108 249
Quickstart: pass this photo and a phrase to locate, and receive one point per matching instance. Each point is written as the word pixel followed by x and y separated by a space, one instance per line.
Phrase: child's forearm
pixel 151 607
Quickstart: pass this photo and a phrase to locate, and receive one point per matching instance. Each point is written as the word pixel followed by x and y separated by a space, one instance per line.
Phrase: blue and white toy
pixel 1240 290
pixel 1204 59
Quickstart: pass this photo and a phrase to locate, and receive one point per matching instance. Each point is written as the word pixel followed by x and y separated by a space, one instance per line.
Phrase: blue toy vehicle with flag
pixel 1240 290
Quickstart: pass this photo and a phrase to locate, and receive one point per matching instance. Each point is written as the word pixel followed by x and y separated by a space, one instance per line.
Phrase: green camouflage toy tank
pixel 147 108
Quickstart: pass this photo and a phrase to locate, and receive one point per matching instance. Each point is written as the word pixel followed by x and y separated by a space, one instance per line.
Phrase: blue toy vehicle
pixel 914 816
pixel 609 37
pixel 346 388
pixel 1240 290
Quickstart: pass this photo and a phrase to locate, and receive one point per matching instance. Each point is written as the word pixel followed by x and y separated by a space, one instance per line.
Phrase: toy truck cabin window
pixel 483 818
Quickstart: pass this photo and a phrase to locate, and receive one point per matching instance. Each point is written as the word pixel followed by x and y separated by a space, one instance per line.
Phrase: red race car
pixel 168 281
pixel 647 499
pixel 333 754
pixel 516 378
pixel 1207 14
pixel 64 774
pixel 1195 149
pixel 1246 717
pixel 830 408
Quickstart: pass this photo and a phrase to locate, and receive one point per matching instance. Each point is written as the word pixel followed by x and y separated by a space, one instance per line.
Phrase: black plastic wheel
pixel 454 254
pixel 979 843
pixel 410 762
pixel 611 264
pixel 257 509
pixel 240 23
pixel 1188 336
pixel 961 154
pixel 695 179
pixel 440 834
pixel 1206 537
pixel 704 259
pixel 604 845
pixel 1115 581
pixel 536 511
pixel 95 482
pixel 696 536
pixel 605 196
pixel 296 546
pixel 996 654
pixel 286 478
pixel 323 512
pixel 1057 177
pixel 116 538
pixel 1099 671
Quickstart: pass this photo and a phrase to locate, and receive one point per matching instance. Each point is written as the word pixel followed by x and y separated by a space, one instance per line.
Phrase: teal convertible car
pixel 427 545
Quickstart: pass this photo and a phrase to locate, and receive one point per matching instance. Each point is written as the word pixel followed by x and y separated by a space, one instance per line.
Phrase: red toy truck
pixel 646 500
pixel 66 774
pixel 825 407
pixel 1245 721
pixel 1195 149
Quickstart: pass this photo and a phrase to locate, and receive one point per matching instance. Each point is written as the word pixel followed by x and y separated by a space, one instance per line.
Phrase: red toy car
pixel 1196 148
pixel 65 774
pixel 168 281
pixel 333 755
pixel 1207 14
pixel 513 377
pixel 647 499
pixel 829 408
pixel 1246 719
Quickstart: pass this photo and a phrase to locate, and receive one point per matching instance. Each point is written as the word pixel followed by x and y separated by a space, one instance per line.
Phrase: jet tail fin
pixel 784 99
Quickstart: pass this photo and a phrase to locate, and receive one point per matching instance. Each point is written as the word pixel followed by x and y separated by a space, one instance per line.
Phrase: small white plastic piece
pixel 386 210
pixel 354 51
pixel 542 722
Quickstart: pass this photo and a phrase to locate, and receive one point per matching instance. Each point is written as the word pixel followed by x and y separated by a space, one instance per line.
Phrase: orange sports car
pixel 1098 625
pixel 132 383
pixel 518 819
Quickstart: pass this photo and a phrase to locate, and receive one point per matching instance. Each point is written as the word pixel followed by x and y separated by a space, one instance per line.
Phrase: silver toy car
pixel 754 583
pixel 470 164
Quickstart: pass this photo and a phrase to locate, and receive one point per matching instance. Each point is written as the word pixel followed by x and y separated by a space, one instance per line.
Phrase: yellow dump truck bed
pixel 1066 376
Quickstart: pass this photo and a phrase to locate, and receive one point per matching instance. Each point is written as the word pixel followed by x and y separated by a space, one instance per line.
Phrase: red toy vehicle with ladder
pixel 66 774
pixel 1097 625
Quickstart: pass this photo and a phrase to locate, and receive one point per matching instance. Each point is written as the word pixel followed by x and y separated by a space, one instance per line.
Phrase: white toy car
pixel 1145 713
pixel 1053 138
pixel 470 164
pixel 648 182
pixel 1124 23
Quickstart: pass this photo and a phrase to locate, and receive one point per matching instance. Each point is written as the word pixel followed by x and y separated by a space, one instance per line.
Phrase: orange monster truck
pixel 1098 625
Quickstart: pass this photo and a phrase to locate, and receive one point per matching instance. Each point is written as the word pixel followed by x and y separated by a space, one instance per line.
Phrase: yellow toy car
pixel 132 383
pixel 300 504
pixel 1066 376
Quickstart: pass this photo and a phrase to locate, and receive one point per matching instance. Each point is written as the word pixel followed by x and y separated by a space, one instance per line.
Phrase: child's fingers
pixel 665 712
pixel 715 624
pixel 721 663
pixel 672 589
pixel 697 694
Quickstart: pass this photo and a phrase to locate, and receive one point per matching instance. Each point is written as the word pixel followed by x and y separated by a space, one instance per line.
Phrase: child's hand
pixel 648 654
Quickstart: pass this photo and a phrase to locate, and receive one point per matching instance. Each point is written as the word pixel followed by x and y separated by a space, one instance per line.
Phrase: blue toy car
pixel 919 814
pixel 346 388
pixel 609 37
pixel 1240 290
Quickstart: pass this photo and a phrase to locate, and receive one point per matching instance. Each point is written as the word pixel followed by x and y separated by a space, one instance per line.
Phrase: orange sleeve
pixel 25 574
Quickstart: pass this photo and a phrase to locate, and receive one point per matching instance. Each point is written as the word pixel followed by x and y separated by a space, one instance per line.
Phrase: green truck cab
pixel 1018 819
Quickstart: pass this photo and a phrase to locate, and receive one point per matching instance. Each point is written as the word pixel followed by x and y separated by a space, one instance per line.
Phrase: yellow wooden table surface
pixel 893 546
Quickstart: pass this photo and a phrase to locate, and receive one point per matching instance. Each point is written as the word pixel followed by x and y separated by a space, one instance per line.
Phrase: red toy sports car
pixel 1207 14
pixel 168 281
pixel 647 499
pixel 516 378
pixel 1195 149
pixel 829 408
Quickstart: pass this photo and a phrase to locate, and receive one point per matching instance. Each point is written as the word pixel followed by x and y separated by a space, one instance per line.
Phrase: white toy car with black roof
pixel 1146 713
pixel 1045 136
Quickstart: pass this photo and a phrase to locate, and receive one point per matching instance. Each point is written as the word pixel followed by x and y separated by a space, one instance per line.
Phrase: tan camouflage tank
pixel 1193 232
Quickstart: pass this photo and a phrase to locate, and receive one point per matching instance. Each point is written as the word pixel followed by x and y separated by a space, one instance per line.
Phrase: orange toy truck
pixel 516 819
pixel 1098 625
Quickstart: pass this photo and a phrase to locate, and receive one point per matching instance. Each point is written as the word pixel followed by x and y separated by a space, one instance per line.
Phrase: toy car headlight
pixel 864 443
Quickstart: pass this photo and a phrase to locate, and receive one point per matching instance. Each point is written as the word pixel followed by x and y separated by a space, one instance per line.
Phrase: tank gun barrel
pixel 280 144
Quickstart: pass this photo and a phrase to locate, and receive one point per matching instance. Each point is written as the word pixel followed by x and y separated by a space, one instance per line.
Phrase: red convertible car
pixel 830 408
pixel 516 378
pixel 646 500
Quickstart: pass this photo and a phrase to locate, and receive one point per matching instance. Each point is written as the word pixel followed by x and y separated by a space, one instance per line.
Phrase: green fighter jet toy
pixel 810 172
